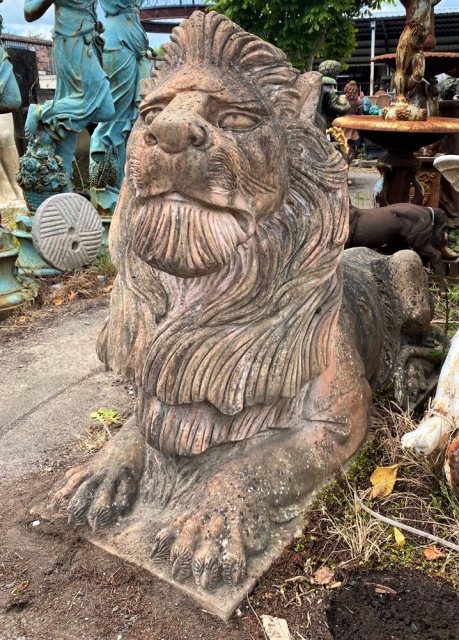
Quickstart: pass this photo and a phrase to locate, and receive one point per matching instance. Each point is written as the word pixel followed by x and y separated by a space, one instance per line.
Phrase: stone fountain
pixel 411 121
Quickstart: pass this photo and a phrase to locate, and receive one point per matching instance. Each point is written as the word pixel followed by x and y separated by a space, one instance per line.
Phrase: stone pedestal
pixel 29 262
pixel 14 290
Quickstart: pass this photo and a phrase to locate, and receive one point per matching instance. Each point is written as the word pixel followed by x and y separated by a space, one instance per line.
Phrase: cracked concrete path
pixel 51 381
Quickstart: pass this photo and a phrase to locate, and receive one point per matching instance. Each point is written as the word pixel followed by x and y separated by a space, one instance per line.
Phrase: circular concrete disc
pixel 67 231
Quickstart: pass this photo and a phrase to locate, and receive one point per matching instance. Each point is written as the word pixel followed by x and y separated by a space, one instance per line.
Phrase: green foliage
pixel 304 29
pixel 106 417
pixel 454 237
pixel 104 266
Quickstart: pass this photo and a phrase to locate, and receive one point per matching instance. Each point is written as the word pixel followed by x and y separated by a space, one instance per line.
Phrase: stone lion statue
pixel 252 343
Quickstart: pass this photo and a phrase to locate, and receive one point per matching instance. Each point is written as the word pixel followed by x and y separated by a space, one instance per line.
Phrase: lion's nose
pixel 175 132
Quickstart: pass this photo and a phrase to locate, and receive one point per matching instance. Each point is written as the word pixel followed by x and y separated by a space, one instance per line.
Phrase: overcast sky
pixel 12 11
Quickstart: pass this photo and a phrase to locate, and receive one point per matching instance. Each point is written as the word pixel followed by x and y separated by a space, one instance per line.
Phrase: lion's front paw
pixel 212 542
pixel 104 489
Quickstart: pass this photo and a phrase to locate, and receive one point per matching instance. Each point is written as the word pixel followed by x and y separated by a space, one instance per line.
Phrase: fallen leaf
pixel 433 553
pixel 323 576
pixel 399 538
pixel 22 319
pixel 57 302
pixel 20 588
pixel 383 481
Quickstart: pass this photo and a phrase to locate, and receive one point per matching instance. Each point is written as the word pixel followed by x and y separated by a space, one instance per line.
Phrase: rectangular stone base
pixel 133 542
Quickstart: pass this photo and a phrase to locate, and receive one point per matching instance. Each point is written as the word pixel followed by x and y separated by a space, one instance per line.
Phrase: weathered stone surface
pixel 67 231
pixel 251 341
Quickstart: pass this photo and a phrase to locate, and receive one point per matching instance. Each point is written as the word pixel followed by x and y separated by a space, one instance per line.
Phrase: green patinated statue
pixel 10 96
pixel 83 90
pixel 126 63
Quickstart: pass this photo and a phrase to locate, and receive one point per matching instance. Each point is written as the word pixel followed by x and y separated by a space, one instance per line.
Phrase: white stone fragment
pixel 276 628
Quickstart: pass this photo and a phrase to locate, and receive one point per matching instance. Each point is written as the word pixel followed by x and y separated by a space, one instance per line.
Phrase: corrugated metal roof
pixel 10 37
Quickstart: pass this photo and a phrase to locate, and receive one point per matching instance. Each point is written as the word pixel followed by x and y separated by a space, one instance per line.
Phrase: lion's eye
pixel 237 121
pixel 150 113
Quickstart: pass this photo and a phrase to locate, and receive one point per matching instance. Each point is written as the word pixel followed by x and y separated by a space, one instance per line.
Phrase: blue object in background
pixel 126 62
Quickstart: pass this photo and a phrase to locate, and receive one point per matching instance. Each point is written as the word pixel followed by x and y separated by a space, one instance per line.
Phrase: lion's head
pixel 227 238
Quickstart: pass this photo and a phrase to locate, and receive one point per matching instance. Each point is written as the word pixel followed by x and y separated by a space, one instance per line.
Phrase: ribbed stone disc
pixel 67 231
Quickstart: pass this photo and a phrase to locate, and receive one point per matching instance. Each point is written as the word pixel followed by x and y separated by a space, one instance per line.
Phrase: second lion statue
pixel 252 343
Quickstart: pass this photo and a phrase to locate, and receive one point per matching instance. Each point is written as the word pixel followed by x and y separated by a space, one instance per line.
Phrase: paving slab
pixel 52 380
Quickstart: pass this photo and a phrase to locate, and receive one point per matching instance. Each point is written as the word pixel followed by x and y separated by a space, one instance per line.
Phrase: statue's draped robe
pixel 126 64
pixel 10 97
pixel 83 89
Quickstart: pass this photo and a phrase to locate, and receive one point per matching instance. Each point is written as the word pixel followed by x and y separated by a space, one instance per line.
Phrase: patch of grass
pixel 362 200
pixel 105 423
pixel 340 533
pixel 454 295
pixel 104 266
pixel 454 237
pixel 55 293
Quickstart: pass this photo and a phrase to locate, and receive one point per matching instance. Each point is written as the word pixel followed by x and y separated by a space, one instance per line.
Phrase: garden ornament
pixel 10 95
pixel 403 225
pixel 126 62
pixel 441 422
pixel 411 87
pixel 252 340
pixel 67 231
pixel 83 90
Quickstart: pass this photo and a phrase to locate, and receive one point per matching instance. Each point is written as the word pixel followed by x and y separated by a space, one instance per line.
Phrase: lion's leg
pixel 228 515
pixel 103 489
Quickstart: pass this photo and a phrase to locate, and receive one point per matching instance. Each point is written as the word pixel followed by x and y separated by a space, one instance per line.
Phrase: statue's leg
pixel 229 513
pixel 104 488
pixel 418 66
pixel 66 149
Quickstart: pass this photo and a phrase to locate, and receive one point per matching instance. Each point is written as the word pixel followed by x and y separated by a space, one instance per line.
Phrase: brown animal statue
pixel 402 225
pixel 251 342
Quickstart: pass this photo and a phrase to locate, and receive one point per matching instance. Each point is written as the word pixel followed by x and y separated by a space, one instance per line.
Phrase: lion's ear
pixel 309 86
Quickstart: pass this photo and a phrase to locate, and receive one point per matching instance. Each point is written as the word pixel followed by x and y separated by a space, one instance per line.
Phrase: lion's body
pixel 252 374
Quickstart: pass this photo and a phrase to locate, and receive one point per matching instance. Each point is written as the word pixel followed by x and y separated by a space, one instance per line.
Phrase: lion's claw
pixel 103 489
pixel 210 547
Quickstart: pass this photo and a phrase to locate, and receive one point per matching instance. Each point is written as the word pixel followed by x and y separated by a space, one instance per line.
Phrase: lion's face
pixel 207 159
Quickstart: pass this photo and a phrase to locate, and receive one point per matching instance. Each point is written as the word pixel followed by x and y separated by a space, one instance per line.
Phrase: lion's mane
pixel 221 357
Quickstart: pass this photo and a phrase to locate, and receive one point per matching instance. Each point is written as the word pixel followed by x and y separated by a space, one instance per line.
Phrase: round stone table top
pixel 377 123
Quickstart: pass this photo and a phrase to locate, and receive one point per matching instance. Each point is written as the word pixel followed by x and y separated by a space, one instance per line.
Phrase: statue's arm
pixel 35 9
